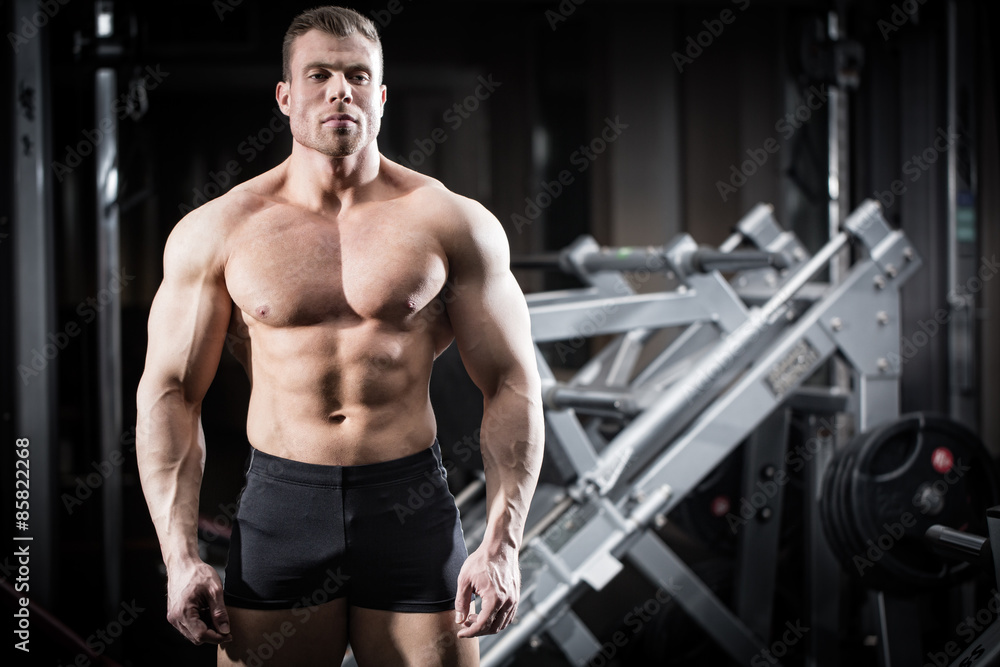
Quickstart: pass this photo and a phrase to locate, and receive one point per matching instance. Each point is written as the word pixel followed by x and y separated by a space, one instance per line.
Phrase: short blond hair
pixel 337 21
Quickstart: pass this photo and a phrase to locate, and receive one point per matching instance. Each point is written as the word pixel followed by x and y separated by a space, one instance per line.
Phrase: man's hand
pixel 194 597
pixel 493 574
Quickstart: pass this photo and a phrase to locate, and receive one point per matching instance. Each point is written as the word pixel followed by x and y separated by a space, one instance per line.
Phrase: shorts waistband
pixel 357 475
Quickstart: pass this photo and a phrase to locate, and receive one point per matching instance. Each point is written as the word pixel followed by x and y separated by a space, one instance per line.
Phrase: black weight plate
pixel 837 517
pixel 852 543
pixel 829 498
pixel 926 456
pixel 887 473
pixel 826 502
pixel 881 496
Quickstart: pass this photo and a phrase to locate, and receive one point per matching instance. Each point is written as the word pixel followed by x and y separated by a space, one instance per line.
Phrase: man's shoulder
pixel 221 215
pixel 205 234
pixel 432 197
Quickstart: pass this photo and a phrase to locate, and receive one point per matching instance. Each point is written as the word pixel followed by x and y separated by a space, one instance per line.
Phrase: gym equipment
pixel 883 492
pixel 728 378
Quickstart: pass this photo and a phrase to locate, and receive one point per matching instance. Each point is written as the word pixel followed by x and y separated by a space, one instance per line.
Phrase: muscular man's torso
pixel 337 319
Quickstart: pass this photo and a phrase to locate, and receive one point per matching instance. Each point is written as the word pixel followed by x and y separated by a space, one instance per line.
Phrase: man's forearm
pixel 512 443
pixel 170 453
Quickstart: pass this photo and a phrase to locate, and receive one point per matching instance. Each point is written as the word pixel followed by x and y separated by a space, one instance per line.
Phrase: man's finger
pixel 484 618
pixel 210 636
pixel 197 631
pixel 463 600
pixel 503 618
pixel 499 621
pixel 206 635
pixel 190 625
pixel 513 613
pixel 220 617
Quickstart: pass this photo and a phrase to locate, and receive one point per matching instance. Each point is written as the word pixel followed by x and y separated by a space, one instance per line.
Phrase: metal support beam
pixel 757 563
pixel 34 298
pixel 109 318
pixel 822 575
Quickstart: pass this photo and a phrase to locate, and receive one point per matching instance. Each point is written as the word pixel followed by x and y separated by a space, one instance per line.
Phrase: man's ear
pixel 281 95
pixel 382 89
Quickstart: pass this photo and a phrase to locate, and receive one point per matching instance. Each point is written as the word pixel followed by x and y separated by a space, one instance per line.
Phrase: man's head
pixel 331 89
pixel 336 21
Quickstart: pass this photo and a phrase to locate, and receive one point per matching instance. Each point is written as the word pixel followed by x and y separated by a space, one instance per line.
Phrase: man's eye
pixel 317 75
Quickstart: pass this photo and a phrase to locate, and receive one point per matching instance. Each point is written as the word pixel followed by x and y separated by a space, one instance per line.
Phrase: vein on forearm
pixel 171 455
pixel 512 457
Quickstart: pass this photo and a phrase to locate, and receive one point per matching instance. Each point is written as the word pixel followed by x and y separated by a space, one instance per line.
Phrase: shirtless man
pixel 331 270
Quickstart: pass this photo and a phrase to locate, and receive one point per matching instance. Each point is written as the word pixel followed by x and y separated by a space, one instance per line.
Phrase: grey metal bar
pixel 706 261
pixel 34 297
pixel 620 366
pixel 838 180
pixel 572 445
pixel 545 260
pixel 606 315
pixel 626 259
pixel 109 343
pixel 574 638
pixel 838 164
pixel 951 543
pixel 565 296
pixel 582 398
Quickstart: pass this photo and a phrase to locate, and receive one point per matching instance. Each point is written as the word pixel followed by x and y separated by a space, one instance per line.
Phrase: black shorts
pixel 385 535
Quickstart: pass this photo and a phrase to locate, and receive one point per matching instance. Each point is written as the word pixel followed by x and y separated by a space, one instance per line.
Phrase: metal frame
pixel 676 432
pixel 109 347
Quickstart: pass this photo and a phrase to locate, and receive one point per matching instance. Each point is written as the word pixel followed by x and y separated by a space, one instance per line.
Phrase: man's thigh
pixel 387 638
pixel 301 637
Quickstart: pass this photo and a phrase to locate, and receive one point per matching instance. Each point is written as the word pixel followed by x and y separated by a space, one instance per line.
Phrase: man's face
pixel 333 100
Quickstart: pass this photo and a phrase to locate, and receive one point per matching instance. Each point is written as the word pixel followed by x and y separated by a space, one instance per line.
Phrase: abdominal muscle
pixel 334 395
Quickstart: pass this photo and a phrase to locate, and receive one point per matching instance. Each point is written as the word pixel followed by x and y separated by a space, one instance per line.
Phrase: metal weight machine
pixel 748 347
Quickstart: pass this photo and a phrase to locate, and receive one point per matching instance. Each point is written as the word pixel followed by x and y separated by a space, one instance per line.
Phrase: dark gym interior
pixel 634 123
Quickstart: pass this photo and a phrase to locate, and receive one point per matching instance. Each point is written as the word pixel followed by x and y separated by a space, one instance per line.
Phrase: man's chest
pixel 301 272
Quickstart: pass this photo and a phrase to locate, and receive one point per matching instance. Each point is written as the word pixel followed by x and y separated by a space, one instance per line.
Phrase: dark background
pixel 559 83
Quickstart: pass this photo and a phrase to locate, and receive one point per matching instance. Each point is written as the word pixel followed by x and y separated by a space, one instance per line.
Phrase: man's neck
pixel 330 184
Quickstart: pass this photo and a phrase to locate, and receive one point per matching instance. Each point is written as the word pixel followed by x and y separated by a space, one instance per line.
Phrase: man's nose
pixel 339 90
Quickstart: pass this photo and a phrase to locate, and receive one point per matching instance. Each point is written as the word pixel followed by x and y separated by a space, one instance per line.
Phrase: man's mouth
pixel 339 120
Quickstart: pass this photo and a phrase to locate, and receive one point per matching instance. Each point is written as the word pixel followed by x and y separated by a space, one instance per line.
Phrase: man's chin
pixel 338 149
